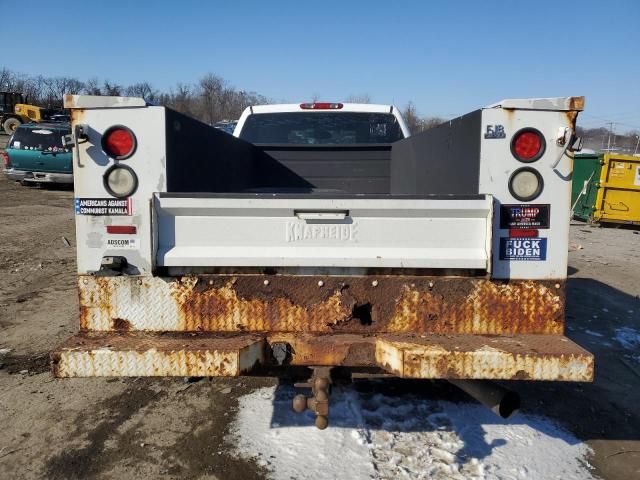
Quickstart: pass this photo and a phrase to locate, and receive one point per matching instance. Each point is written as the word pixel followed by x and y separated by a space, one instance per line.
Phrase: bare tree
pixel 111 88
pixel 142 89
pixel 411 118
pixel 211 87
pixel 430 122
pixel 92 86
pixel 212 99
pixel 359 98
pixel 415 122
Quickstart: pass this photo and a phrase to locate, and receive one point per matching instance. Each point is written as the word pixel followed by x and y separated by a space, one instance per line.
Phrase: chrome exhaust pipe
pixel 501 401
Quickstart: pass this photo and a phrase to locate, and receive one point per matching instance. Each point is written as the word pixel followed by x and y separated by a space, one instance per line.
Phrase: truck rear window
pixel 38 139
pixel 321 128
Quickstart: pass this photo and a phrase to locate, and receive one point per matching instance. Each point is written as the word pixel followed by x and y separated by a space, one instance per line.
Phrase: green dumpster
pixel 606 188
pixel 584 186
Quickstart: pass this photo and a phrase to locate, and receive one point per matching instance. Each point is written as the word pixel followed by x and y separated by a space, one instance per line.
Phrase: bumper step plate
pixel 517 357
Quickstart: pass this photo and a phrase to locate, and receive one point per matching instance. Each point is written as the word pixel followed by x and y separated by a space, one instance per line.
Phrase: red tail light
pixel 5 159
pixel 528 145
pixel 321 106
pixel 119 142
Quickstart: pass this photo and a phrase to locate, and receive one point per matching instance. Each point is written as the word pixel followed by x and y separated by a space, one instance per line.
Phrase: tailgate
pixel 269 230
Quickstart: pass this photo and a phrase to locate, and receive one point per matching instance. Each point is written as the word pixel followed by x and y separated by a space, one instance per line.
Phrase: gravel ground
pixel 166 428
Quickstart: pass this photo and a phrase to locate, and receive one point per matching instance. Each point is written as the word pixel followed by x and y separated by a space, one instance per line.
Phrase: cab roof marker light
pixel 321 106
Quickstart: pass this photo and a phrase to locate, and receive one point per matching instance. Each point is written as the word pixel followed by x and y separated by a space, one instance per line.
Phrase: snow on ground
pixel 629 339
pixel 405 437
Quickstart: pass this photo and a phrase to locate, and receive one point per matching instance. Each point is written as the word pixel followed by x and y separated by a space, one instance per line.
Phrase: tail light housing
pixel 528 145
pixel 120 181
pixel 5 159
pixel 526 184
pixel 119 142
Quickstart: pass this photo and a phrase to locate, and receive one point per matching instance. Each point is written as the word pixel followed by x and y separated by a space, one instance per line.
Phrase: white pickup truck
pixel 322 235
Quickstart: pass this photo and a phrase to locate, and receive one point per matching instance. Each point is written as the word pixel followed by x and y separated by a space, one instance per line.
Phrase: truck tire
pixel 10 125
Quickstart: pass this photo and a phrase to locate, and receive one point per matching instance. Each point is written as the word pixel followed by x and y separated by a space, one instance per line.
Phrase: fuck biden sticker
pixel 524 249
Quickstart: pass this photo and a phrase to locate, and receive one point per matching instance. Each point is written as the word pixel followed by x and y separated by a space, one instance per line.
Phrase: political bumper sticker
pixel 524 216
pixel 525 249
pixel 103 206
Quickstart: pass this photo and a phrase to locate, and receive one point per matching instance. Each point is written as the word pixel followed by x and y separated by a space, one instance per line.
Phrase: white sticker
pixel 120 243
pixel 16 144
pixel 42 132
pixel 636 181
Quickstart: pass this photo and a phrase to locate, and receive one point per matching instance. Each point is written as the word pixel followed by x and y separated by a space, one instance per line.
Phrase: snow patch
pixel 628 338
pixel 404 436
pixel 594 334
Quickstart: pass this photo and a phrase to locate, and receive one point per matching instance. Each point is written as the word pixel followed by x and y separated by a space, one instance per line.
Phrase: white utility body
pixel 323 235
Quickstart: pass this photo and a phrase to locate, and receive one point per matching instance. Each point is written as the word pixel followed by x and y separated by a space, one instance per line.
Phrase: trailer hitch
pixel 318 403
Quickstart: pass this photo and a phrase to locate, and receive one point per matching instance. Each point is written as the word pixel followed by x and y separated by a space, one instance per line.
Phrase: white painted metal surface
pixel 96 101
pixel 410 233
pixel 201 232
pixel 497 165
pixel 90 164
pixel 551 103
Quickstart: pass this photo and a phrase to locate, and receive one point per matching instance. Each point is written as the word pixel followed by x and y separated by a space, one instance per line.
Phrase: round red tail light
pixel 119 142
pixel 528 145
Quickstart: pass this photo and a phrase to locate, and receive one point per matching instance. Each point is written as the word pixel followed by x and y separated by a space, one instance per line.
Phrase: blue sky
pixel 447 57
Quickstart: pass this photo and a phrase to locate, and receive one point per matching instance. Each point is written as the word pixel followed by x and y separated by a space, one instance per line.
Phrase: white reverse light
pixel 120 181
pixel 525 184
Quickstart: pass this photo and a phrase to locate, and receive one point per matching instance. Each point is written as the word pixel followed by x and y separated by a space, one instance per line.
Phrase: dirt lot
pixel 168 428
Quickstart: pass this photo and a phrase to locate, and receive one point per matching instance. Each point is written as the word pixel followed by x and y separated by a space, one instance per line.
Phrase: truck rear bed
pixel 402 265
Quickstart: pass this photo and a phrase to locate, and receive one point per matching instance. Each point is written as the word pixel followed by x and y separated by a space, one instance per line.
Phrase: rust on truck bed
pixel 520 357
pixel 321 304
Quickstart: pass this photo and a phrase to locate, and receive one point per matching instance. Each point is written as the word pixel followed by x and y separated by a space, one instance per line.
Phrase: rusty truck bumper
pixel 409 326
pixel 519 357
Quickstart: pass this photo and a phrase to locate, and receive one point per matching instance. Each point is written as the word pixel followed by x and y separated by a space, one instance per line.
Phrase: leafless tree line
pixel 210 100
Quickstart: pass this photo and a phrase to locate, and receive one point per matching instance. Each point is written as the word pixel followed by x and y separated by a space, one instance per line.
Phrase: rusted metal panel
pixel 136 355
pixel 522 357
pixel 321 304
pixel 93 101
pixel 347 350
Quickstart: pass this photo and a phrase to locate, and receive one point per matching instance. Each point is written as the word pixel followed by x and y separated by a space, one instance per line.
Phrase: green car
pixel 35 154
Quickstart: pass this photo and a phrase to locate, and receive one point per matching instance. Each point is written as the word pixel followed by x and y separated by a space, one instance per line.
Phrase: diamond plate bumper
pixel 143 355
pixel 519 357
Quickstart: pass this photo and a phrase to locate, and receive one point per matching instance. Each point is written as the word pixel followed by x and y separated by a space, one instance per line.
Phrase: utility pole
pixel 611 124
pixel 637 143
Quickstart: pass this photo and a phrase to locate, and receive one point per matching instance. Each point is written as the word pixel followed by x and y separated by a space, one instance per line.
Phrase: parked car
pixel 35 153
pixel 226 126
